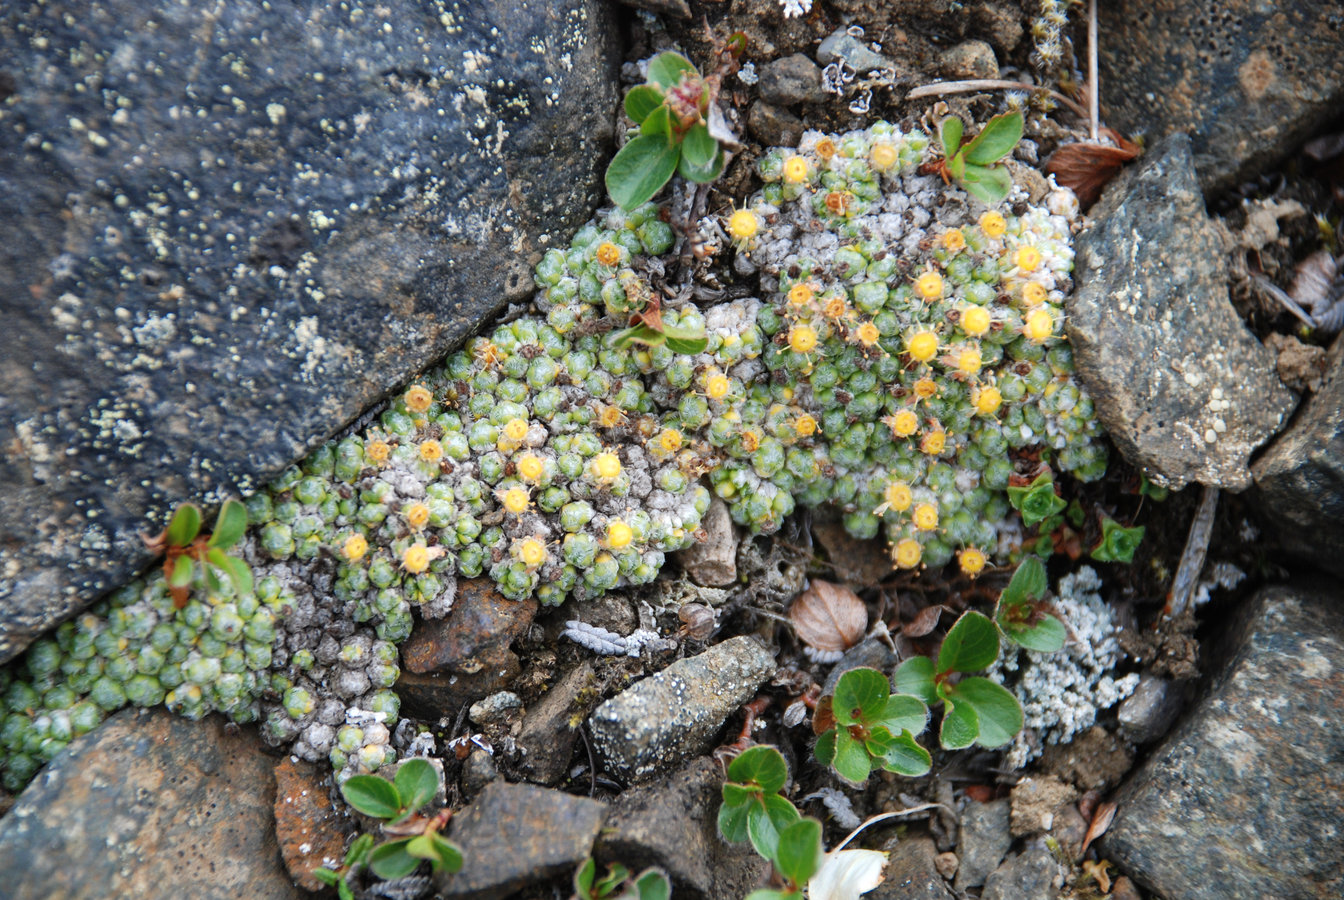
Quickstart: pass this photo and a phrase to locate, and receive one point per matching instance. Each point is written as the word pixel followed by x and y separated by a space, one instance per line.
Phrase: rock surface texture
pixel 1247 80
pixel 149 805
pixel 1245 798
pixel 1185 390
pixel 1299 481
pixel 227 234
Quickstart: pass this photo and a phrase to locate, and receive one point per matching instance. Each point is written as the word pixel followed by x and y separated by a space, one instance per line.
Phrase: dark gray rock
pixel 665 718
pixel 869 653
pixel 515 835
pixel 911 872
pixel 673 824
pixel 713 562
pixel 1031 875
pixel 840 45
pixel 678 8
pixel 1185 390
pixel 1251 778
pixel 148 805
pixel 1149 712
pixel 473 636
pixel 437 694
pixel 1299 481
pixel 791 80
pixel 1248 81
pixel 228 234
pixel 550 727
pixel 773 125
pixel 985 838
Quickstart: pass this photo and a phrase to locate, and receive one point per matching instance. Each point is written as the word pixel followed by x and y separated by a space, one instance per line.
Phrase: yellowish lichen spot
pixel 417 515
pixel 902 423
pixel 933 443
pixel 1040 325
pixel 802 338
pixel 515 500
pixel 416 559
pixel 608 254
pixel 795 170
pixel 530 467
pixel 987 400
pixel 954 240
pixel 431 450
pixel 1027 258
pixel 743 225
pixel 972 561
pixel 883 155
pixel 1034 294
pixel 606 466
pixel 898 496
pixel 619 534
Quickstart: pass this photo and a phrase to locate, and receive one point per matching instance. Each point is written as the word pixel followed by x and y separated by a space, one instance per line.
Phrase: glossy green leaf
pixel 772 894
pixel 996 710
pixel 636 334
pixel 450 855
pixel 416 782
pixel 658 122
pixel 184 526
pixel 702 174
pixel 767 820
pixel 996 140
pixel 697 147
pixel 899 752
pixel 903 712
pixel 960 726
pixel 641 101
pixel 1118 543
pixel 182 568
pixel 949 135
pixel 733 819
pixel 240 573
pixel 583 878
pixel 763 766
pixel 373 796
pixel 392 860
pixel 640 168
pixel 1029 583
pixel 824 751
pixel 422 847
pixel 667 68
pixel 971 644
pixel 230 525
pixel 616 874
pixel 1038 500
pixel 359 850
pixel 851 760
pixel 687 341
pixel 653 884
pixel 1048 635
pixel 799 853
pixel 212 581
pixel 988 185
pixel 860 696
pixel 915 677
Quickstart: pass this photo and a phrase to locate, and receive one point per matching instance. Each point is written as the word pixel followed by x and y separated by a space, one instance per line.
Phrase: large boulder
pixel 225 233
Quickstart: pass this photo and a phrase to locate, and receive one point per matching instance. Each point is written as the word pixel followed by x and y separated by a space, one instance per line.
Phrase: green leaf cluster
pixel 651 884
pixel 973 165
pixel 873 728
pixel 672 110
pixel 1118 543
pixel 754 810
pixel 186 548
pixel 395 802
pixel 1041 508
pixel 1021 612
pixel 688 341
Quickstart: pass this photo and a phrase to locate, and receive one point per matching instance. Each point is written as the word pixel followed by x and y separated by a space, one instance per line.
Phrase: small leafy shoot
pixel 1022 613
pixel 1118 543
pixel 873 728
pixel 1037 501
pixel 974 165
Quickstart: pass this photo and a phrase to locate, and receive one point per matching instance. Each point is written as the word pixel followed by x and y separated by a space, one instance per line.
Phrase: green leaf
pixel 960 726
pixel 616 873
pixel 359 850
pixel 733 819
pixel 899 752
pixel 1148 489
pixel 996 140
pixel 583 878
pixel 1017 615
pixel 956 167
pixel 971 644
pixel 996 710
pixel 697 147
pixel 184 526
pixel 240 573
pixel 772 894
pixel 640 168
pixel 763 766
pixel 653 884
pixel 344 891
pixel 422 847
pixel 636 334
pixel 1046 636
pixel 416 782
pixel 687 341
pixel 767 820
pixel 450 855
pixel 326 876
pixel 903 712
pixel 915 677
pixel 1118 543
pixel 212 581
pixel 229 525
pixel 391 860
pixel 702 174
pixel 949 135
pixel 1038 500
pixel 1029 583
pixel 851 758
pixel 181 576
pixel 641 101
pixel 666 69
pixel 825 749
pixel 658 122
pixel 989 186
pixel 860 696
pixel 799 853
pixel 373 796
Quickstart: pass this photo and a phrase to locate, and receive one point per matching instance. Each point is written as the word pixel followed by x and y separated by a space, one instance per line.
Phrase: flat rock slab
pixel 227 234
pixel 1244 800
pixel 311 833
pixel 911 873
pixel 672 715
pixel 514 835
pixel 1185 391
pixel 1248 80
pixel 152 806
pixel 474 634
pixel 1299 481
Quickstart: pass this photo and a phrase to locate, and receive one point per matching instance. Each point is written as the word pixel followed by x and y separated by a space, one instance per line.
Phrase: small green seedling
pixel 976 709
pixel 797 858
pixel 973 165
pixel 184 547
pixel 650 330
pixel 1149 489
pixel 672 109
pixel 866 726
pixel 1037 502
pixel 753 808
pixel 1118 543
pixel 1022 613
pixel 651 884
pixel 415 838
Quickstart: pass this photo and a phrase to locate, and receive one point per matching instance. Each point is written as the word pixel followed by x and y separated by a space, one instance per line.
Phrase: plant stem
pixel 1092 66
pixel 939 88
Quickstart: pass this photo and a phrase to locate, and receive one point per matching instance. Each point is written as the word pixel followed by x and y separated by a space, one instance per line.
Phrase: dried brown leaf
pixel 829 617
pixel 1314 282
pixel 924 622
pixel 1101 820
pixel 1086 168
pixel 823 717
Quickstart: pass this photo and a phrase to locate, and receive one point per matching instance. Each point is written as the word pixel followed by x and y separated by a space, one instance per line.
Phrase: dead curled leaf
pixel 924 622
pixel 1086 168
pixel 829 617
pixel 1101 820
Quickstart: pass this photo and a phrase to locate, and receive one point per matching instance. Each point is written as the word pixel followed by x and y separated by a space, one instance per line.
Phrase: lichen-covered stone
pixel 152 806
pixel 1248 81
pixel 310 832
pixel 1251 778
pixel 1157 342
pixel 229 235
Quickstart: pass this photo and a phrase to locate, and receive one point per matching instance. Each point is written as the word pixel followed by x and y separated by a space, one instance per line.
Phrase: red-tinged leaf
pixel 829 617
pixel 180 596
pixel 1101 820
pixel 823 717
pixel 924 622
pixel 1087 168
